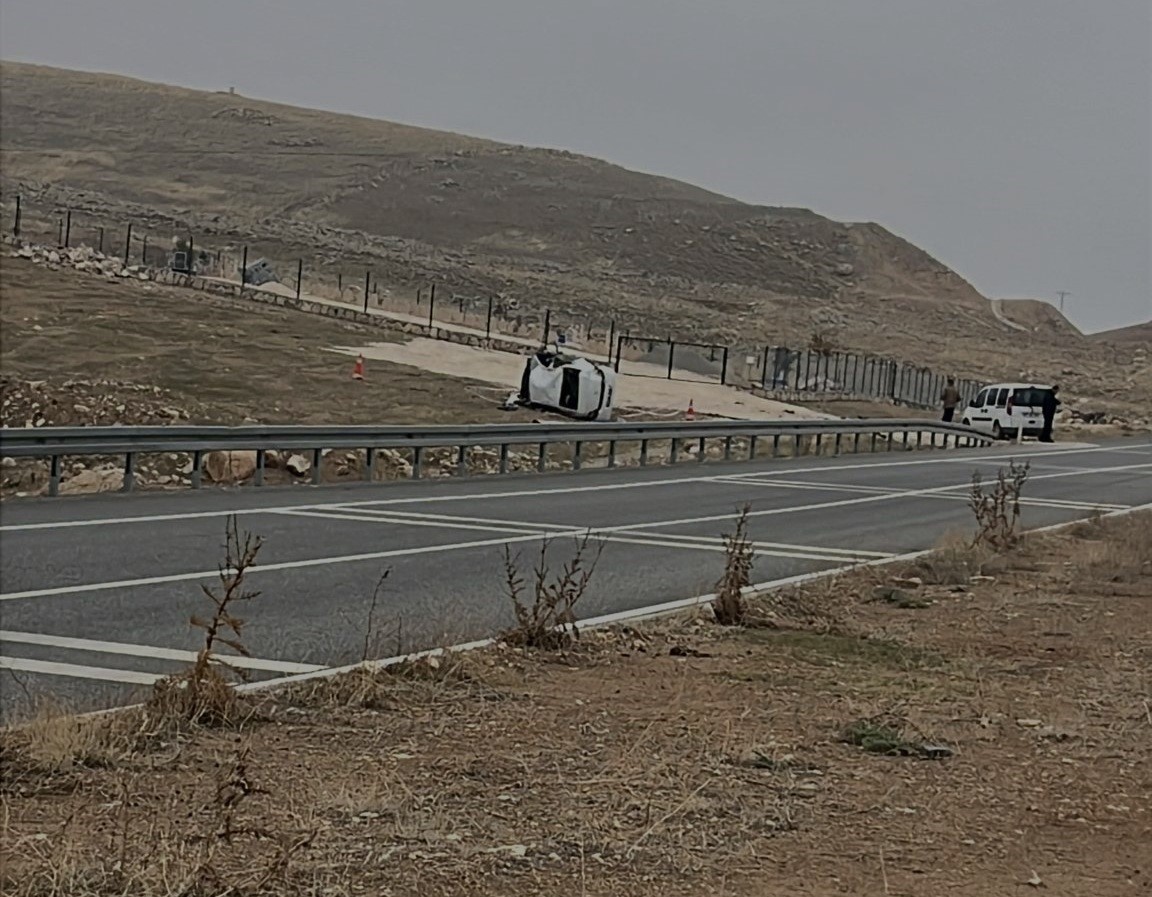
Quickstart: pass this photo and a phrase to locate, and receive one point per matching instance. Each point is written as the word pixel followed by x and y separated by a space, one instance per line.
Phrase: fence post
pixel 367 287
pixel 488 321
pixel 340 282
pixel 144 251
pixel 68 230
pixel 547 325
pixel 671 355
pixel 244 268
pixel 724 367
pixel 127 244
pixel 431 305
pixel 100 247
pixel 764 369
pixel 299 275
pixel 16 223
pixel 418 290
pixel 611 338
pixel 191 251
pixel 619 350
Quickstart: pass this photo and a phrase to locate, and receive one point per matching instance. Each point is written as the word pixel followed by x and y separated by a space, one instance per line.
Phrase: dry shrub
pixel 213 843
pixel 56 740
pixel 823 606
pixel 203 694
pixel 548 620
pixel 729 606
pixel 1117 549
pixel 997 512
pixel 953 562
pixel 424 678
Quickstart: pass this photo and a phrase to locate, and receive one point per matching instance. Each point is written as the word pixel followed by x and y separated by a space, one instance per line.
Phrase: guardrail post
pixel 370 464
pixel 258 477
pixel 417 462
pixel 919 439
pixel 317 457
pixel 53 473
pixel 542 457
pixel 752 447
pixel 504 457
pixel 129 471
pixel 856 444
pixel 905 439
pixel 612 453
pixel 674 453
pixel 577 455
pixel 819 444
pixel 796 446
pixel 776 446
pixel 727 448
pixel 462 461
pixel 873 447
pixel 702 450
pixel 643 452
pixel 197 465
pixel 838 441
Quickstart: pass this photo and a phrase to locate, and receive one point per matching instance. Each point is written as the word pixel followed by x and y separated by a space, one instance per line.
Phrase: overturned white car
pixel 569 384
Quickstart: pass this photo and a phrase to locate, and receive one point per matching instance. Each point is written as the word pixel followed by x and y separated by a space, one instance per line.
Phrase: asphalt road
pixel 96 592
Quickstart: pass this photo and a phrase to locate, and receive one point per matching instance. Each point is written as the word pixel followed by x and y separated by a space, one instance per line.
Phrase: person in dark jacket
pixel 950 398
pixel 1048 409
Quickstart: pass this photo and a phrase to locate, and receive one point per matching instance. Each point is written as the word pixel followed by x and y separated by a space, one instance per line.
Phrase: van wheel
pixel 997 431
pixel 966 422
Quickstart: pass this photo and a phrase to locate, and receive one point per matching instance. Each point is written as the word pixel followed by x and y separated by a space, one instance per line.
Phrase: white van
pixel 1003 408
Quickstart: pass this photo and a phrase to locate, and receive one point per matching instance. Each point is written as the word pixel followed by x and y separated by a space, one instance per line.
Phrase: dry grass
pixel 545 605
pixel 669 759
pixel 729 606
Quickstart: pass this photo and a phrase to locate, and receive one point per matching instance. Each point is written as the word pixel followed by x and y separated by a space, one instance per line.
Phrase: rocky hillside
pixel 540 228
pixel 226 157
pixel 1136 335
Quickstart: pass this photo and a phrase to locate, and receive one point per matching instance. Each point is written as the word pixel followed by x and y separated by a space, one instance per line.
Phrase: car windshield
pixel 1033 396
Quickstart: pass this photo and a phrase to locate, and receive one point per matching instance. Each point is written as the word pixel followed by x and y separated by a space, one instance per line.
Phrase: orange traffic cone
pixel 690 414
pixel 358 368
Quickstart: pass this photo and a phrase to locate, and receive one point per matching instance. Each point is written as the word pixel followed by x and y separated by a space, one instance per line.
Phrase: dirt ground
pixel 982 728
pixel 221 362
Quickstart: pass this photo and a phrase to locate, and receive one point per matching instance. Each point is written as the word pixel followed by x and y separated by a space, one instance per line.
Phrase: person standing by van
pixel 950 398
pixel 1048 408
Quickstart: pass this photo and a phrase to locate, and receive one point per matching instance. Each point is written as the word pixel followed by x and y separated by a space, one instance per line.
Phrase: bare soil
pixel 991 736
pixel 218 361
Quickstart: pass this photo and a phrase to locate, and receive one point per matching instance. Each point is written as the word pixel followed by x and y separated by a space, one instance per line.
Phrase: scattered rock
pixel 297 465
pixel 229 467
pixel 101 479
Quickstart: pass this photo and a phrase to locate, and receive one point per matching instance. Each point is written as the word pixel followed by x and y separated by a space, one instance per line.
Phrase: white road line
pixel 528 526
pixel 884 490
pixel 76 671
pixel 549 531
pixel 867 499
pixel 434 549
pixel 149 651
pixel 961 457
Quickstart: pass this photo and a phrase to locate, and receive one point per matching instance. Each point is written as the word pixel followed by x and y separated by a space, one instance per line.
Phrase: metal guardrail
pixel 55 443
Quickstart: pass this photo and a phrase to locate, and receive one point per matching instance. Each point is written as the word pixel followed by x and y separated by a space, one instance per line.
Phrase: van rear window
pixel 1033 397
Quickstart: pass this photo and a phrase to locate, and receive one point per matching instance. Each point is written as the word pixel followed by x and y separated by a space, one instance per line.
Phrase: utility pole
pixel 1062 294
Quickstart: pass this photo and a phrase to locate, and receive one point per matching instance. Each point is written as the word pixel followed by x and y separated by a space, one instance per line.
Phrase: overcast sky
pixel 1010 138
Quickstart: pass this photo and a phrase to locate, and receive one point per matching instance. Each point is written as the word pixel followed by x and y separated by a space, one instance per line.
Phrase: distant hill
pixel 199 152
pixel 1136 334
pixel 1038 316
pixel 586 239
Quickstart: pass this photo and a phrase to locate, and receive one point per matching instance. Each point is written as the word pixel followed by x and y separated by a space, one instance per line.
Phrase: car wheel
pixel 997 431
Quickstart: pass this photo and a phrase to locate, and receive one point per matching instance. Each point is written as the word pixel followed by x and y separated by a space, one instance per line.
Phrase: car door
pixel 998 403
pixel 978 415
